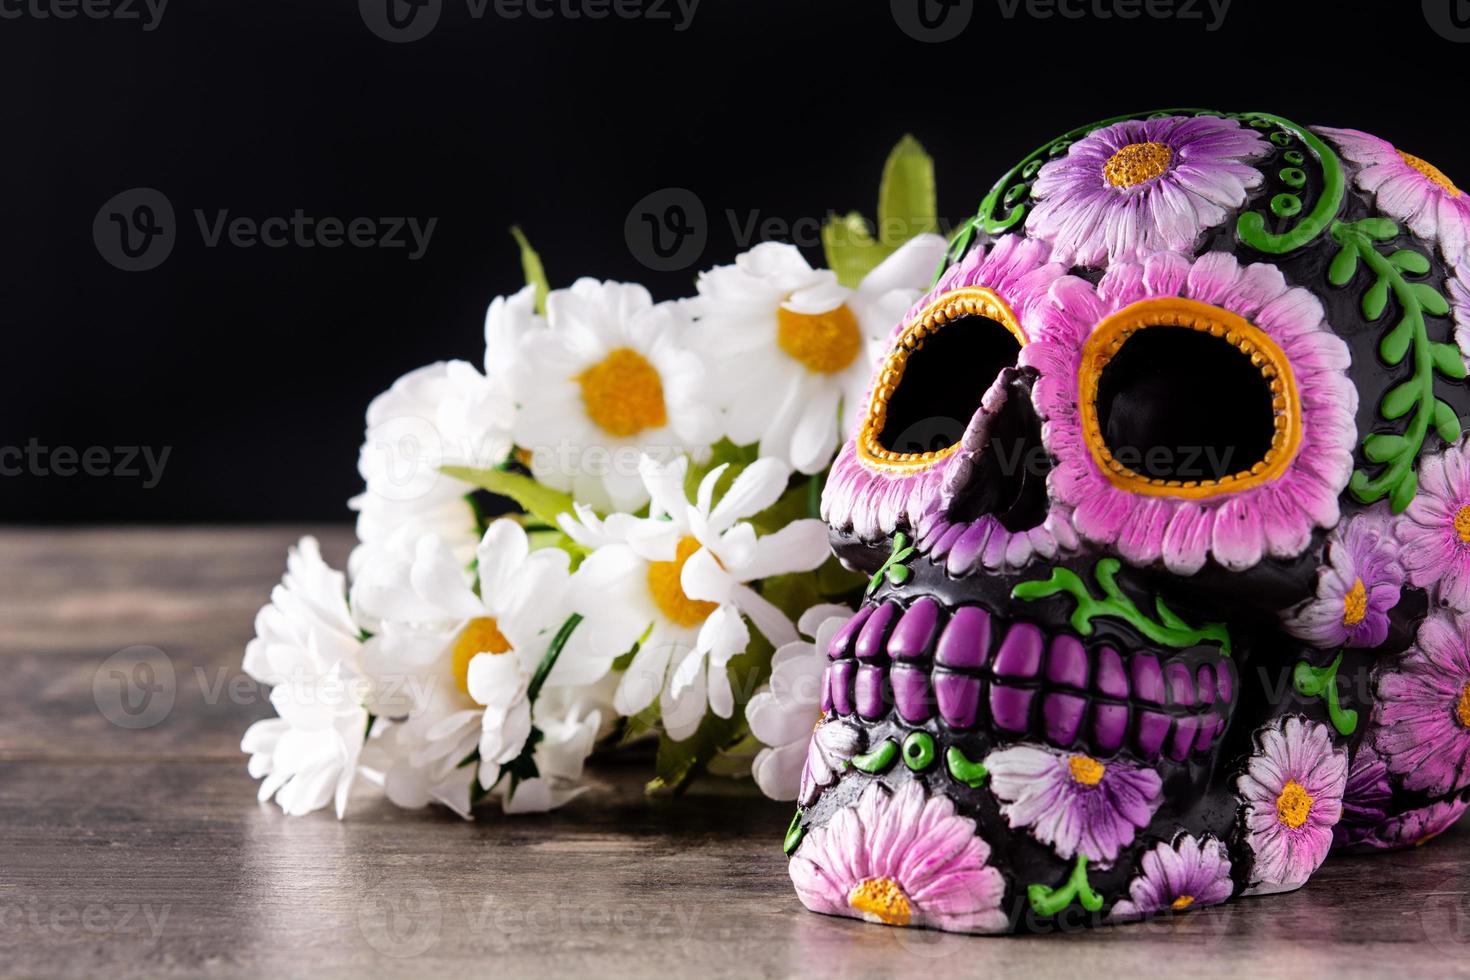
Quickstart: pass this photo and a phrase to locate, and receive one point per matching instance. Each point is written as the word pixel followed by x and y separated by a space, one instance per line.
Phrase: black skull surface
pixel 1162 493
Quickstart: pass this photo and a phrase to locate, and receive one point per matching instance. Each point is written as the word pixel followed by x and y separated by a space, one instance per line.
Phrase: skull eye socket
pixel 1181 398
pixel 933 380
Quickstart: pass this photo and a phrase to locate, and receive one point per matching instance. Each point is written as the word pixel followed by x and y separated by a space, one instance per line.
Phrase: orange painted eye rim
pixel 1268 357
pixel 953 305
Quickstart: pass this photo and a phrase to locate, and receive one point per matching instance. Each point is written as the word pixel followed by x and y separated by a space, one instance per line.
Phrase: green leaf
pixel 538 500
pixel 907 200
pixel 1434 304
pixel 1358 486
pixel 1382 447
pixel 1396 343
pixel 1409 261
pixel 1344 265
pixel 1167 616
pixel 850 249
pixel 1379 228
pixel 1375 300
pixel 1398 402
pixel 1447 360
pixel 1403 492
pixel 1446 422
pixel 677 764
pixel 532 268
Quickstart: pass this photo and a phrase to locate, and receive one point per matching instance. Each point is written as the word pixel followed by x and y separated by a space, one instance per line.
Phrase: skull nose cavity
pixel 970 669
pixel 1002 466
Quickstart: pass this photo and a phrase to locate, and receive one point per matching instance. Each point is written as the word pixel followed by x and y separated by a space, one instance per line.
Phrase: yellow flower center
pixel 1294 805
pixel 623 393
pixel 668 591
pixel 1181 903
pixel 1462 710
pixel 480 635
pixel 882 899
pixel 1462 523
pixel 1355 604
pixel 1136 163
pixel 1430 172
pixel 1086 770
pixel 823 343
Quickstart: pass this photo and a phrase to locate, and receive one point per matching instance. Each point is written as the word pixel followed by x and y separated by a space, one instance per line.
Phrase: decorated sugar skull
pixel 1167 511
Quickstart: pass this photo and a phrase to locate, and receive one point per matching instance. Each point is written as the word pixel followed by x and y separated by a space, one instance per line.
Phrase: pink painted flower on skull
pixel 1408 189
pixel 1293 789
pixel 904 859
pixel 1422 714
pixel 1435 529
pixel 1414 828
pixel 1358 584
pixel 1074 802
pixel 1187 874
pixel 1365 800
pixel 1142 186
pixel 1265 507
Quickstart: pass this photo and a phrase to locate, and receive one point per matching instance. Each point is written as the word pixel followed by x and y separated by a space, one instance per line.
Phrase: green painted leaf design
pixel 1430 298
pixel 1447 360
pixel 1344 266
pixel 1380 447
pixel 1446 422
pixel 1375 300
pixel 1378 228
pixel 1396 343
pixel 1400 400
pixel 1409 261
pixel 1403 492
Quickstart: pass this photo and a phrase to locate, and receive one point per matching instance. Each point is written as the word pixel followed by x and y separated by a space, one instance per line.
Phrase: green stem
pixel 1051 901
pixel 1251 226
pixel 1321 682
pixel 1169 630
pixel 553 653
pixel 893 568
pixel 1400 466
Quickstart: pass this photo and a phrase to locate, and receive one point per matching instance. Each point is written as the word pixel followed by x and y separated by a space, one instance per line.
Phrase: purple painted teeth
pixel 972 669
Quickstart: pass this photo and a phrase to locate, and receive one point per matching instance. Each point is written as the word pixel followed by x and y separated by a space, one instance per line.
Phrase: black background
pixel 255 365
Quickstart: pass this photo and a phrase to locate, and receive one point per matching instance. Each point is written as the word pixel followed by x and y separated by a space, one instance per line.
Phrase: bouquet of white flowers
pixel 663 573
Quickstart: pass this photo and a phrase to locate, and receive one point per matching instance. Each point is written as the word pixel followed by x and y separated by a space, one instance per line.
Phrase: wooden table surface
pixel 143 852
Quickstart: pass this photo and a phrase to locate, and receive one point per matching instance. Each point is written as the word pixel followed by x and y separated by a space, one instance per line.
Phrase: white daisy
pixel 609 380
pixel 307 647
pixel 446 414
pixel 795 349
pixel 782 714
pixel 676 585
pixel 440 664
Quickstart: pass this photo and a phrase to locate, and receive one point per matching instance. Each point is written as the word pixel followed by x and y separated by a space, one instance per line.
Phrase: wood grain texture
pixel 143 853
